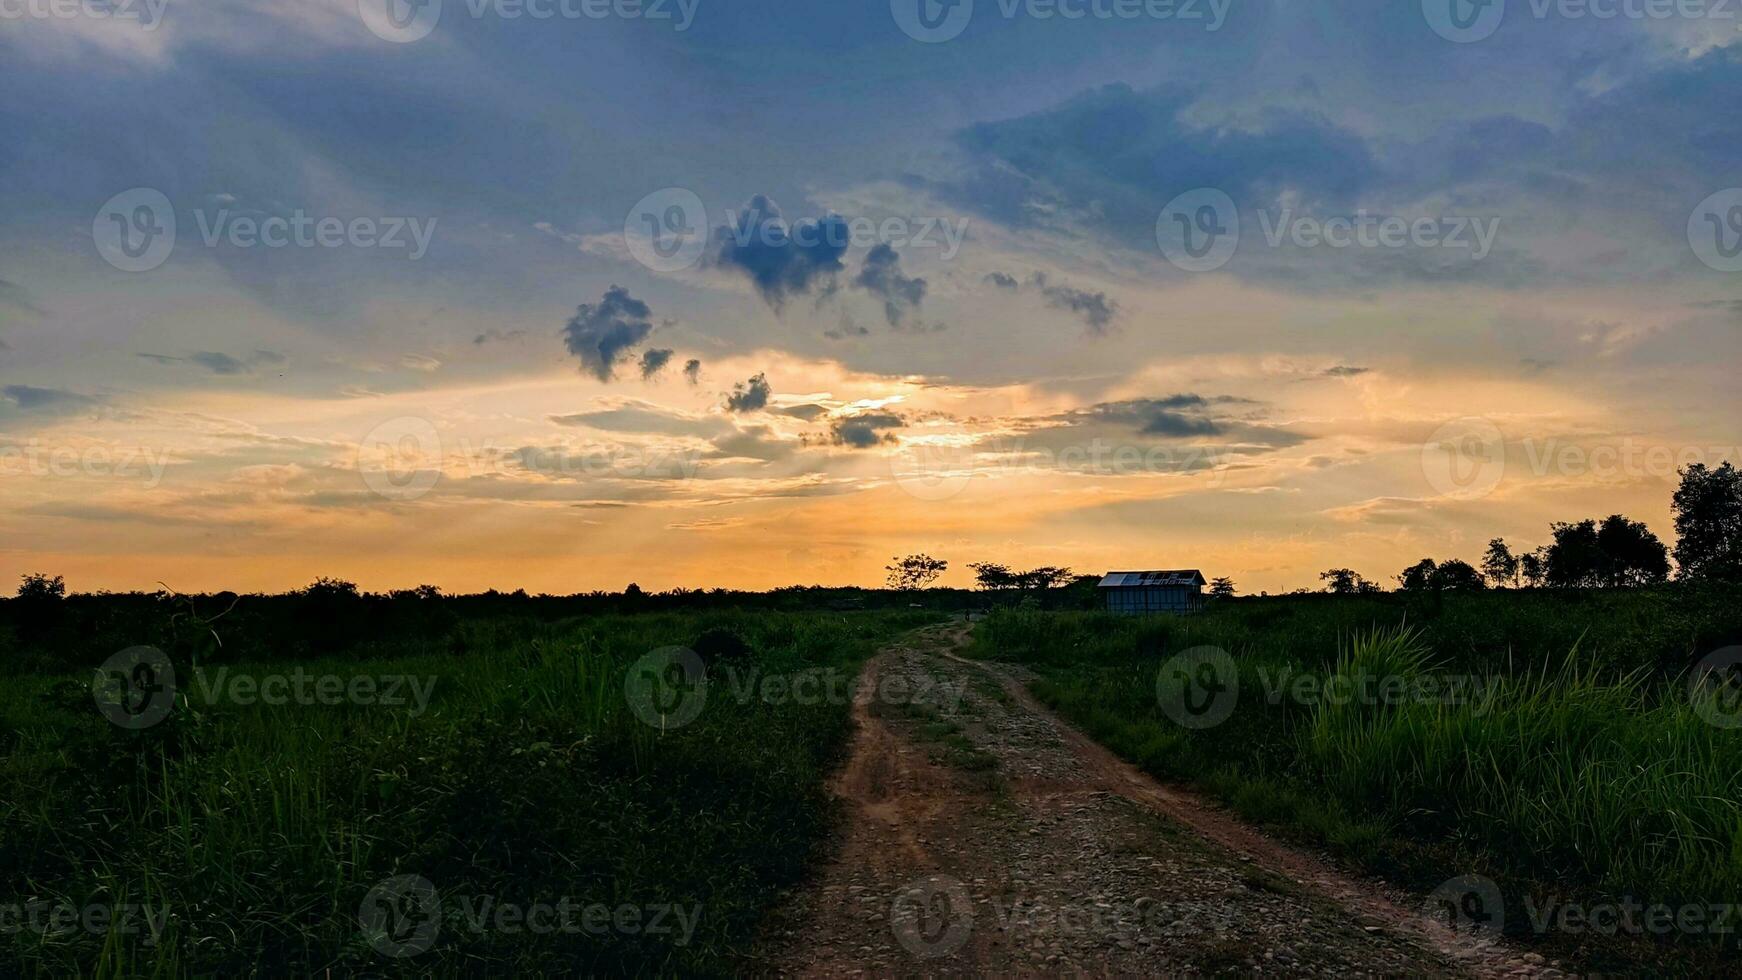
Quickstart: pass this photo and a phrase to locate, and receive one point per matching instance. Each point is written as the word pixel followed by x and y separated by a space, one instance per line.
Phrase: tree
pixel 1456 576
pixel 1632 555
pixel 1042 578
pixel 1222 588
pixel 1575 560
pixel 1500 564
pixel 39 587
pixel 1708 523
pixel 1533 566
pixel 1346 581
pixel 1617 553
pixel 915 572
pixel 992 576
pixel 1419 576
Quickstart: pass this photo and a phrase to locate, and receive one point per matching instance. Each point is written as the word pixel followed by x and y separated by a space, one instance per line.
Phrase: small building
pixel 1146 593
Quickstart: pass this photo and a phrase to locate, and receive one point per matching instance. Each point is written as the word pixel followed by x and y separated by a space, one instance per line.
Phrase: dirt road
pixel 985 837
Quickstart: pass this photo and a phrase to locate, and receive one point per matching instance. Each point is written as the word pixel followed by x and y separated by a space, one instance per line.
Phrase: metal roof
pixel 1126 580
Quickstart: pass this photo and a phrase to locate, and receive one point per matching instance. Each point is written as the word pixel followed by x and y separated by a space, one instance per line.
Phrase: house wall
pixel 1143 600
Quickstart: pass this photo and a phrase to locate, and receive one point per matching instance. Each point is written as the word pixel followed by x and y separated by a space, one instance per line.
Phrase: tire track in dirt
pixel 983 836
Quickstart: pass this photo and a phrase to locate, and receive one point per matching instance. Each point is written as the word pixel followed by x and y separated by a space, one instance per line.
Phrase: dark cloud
pixel 28 399
pixel 1118 156
pixel 881 277
pixel 654 361
pixel 1003 280
pixel 749 396
pixel 496 334
pixel 217 362
pixel 1096 310
pixel 865 431
pixel 783 260
pixel 809 413
pixel 1346 371
pixel 601 334
pixel 849 328
pixel 692 371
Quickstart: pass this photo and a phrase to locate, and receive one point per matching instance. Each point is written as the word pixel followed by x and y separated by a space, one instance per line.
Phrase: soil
pixel 983 836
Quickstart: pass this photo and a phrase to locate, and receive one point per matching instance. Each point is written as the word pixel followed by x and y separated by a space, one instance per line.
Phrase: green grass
pixel 262 828
pixel 1564 770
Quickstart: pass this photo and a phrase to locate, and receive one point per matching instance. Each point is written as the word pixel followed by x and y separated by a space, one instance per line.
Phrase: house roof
pixel 1126 580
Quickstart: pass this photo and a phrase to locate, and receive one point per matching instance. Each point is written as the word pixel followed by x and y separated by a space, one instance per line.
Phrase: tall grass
pixel 261 828
pixel 1588 770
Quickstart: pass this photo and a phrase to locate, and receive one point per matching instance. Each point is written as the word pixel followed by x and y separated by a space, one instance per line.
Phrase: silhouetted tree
pixel 1632 555
pixel 1619 552
pixel 1708 523
pixel 915 572
pixel 1457 576
pixel 1222 587
pixel 992 576
pixel 1419 576
pixel 1575 561
pixel 37 587
pixel 1346 581
pixel 1533 567
pixel 1500 564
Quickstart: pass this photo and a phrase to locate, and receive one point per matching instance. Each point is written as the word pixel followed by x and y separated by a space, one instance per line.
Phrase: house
pixel 1146 593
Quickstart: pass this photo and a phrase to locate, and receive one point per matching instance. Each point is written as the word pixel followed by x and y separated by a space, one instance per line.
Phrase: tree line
pixel 1614 552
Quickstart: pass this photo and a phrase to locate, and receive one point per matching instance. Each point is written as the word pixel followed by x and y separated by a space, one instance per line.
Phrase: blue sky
pixel 1594 150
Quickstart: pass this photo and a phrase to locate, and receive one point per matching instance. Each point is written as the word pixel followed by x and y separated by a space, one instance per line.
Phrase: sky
pixel 567 294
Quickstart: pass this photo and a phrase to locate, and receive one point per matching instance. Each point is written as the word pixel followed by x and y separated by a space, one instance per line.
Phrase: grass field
pixel 508 773
pixel 1549 742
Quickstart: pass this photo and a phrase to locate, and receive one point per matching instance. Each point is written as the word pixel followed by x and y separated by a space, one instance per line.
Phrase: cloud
pixel 692 371
pixel 754 442
pixel 781 260
pixel 601 334
pixel 499 335
pixel 30 400
pixel 865 431
pixel 749 396
pixel 639 417
pixel 1114 157
pixel 420 362
pixel 1096 310
pixel 654 361
pixel 881 276
pixel 14 295
pixel 217 362
pixel 809 413
pixel 1003 280
pixel 1346 371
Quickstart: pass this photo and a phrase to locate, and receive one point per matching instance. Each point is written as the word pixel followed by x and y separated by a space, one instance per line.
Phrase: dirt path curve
pixel 983 836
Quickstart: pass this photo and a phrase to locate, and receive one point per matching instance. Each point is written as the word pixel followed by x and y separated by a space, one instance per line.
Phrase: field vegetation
pixel 1558 747
pixel 251 836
